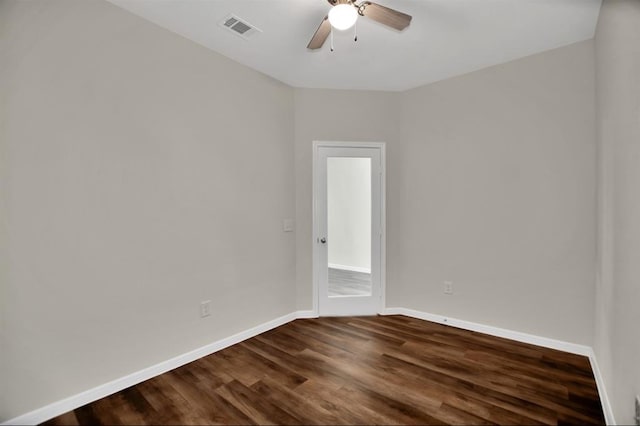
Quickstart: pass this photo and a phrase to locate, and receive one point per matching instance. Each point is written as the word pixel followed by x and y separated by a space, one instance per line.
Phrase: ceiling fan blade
pixel 321 34
pixel 385 15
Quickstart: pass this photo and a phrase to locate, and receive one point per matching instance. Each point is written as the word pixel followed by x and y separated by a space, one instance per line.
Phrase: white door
pixel 348 227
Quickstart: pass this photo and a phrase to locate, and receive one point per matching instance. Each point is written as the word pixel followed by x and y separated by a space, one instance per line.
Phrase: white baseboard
pixel 306 314
pixel 349 268
pixel 71 403
pixel 602 391
pixel 520 337
pixel 493 331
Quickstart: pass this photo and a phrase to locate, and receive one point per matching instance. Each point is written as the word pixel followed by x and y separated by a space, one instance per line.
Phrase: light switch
pixel 287 225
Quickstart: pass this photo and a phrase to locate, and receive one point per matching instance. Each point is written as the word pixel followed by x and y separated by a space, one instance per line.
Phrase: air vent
pixel 239 27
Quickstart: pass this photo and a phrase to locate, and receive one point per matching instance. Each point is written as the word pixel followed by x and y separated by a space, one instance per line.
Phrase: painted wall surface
pixel 496 192
pixel 349 213
pixel 333 115
pixel 132 189
pixel 4 263
pixel 617 341
pixel 490 184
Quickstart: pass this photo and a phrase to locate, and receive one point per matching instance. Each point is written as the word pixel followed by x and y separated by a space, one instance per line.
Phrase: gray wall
pixel 133 187
pixel 490 184
pixel 497 181
pixel 617 341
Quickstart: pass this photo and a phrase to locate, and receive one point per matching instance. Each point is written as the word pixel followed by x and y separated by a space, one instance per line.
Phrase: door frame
pixel 383 217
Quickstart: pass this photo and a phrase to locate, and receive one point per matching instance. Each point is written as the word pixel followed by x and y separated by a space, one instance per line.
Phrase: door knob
pixel 323 240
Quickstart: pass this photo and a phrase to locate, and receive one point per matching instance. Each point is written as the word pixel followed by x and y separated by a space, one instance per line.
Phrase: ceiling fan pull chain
pixel 332 39
pixel 355 31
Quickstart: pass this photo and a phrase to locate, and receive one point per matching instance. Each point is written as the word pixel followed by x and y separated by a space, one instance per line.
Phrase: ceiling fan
pixel 344 13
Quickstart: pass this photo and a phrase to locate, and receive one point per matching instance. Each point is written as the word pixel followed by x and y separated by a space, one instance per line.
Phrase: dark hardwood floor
pixel 362 370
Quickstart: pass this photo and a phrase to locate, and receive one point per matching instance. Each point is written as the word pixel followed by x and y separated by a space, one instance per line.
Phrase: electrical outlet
pixel 205 308
pixel 637 410
pixel 448 287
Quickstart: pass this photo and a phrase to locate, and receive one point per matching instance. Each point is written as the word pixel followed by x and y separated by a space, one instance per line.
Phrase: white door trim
pixel 383 217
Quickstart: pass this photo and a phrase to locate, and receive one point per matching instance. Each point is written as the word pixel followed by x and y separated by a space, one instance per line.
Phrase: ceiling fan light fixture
pixel 343 16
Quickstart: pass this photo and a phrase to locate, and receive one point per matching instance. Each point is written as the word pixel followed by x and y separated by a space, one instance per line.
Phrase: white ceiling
pixel 445 38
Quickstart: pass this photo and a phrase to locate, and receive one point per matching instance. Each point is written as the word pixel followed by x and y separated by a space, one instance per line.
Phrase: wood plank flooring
pixel 362 370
